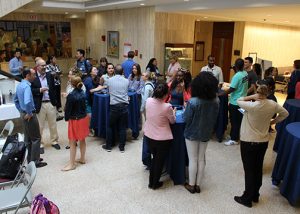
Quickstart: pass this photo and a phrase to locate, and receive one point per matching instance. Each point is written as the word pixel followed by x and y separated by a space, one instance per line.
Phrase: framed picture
pixel 199 51
pixel 113 44
pixel 254 56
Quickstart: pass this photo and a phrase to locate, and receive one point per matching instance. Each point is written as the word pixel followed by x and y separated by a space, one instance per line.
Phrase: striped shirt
pixel 118 88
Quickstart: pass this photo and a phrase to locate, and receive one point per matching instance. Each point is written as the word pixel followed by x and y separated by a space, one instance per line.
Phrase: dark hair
pixel 268 81
pixel 205 86
pixel 161 90
pixel 26 70
pixel 50 57
pixel 239 64
pixel 210 56
pixel 18 50
pixel 139 72
pixel 103 59
pixel 269 71
pixel 108 65
pixel 130 54
pixel 118 69
pixel 297 64
pixel 257 68
pixel 152 68
pixel 250 59
pixel 81 51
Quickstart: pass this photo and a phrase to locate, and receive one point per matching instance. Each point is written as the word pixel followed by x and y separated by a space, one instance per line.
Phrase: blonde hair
pixel 76 82
pixel 174 57
pixel 263 90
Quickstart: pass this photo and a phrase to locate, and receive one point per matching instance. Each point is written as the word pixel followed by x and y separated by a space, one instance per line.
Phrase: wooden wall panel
pixel 135 26
pixel 172 28
pixel 203 32
pixel 280 44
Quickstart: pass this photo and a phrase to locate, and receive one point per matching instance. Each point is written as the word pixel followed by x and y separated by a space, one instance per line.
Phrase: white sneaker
pixel 231 142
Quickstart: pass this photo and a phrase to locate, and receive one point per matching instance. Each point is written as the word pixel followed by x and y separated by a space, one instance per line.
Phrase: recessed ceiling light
pixel 205 17
pixel 186 0
pixel 86 10
pixel 142 4
pixel 31 11
pixel 66 13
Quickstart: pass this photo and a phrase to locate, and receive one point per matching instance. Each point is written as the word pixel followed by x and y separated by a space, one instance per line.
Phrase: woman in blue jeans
pixel 200 117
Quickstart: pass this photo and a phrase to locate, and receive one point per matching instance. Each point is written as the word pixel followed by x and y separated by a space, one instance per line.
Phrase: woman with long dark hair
pixel 158 132
pixel 102 67
pixel 180 88
pixel 200 117
pixel 110 72
pixel 136 82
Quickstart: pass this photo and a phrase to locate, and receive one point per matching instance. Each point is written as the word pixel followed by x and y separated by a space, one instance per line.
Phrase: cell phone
pixel 241 110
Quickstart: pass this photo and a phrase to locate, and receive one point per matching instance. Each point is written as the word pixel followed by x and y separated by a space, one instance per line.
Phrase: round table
pixel 287 165
pixel 100 114
pixel 293 107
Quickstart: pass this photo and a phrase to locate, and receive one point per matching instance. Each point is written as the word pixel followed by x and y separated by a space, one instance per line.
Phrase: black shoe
pixel 255 199
pixel 41 160
pixel 158 185
pixel 150 186
pixel 197 189
pixel 40 164
pixel 42 151
pixel 56 146
pixel 59 118
pixel 189 188
pixel 106 148
pixel 122 149
pixel 242 201
pixel 67 147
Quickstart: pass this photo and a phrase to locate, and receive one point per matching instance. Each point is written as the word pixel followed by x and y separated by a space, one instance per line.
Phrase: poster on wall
pixel 127 48
pixel 36 39
pixel 113 44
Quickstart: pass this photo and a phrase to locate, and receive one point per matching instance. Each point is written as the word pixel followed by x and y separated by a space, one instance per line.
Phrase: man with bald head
pixel 43 91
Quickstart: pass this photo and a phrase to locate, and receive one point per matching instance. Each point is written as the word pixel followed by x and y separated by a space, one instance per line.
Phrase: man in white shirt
pixel 215 70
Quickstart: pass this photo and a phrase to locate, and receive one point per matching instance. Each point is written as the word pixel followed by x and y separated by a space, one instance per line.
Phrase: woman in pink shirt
pixel 157 132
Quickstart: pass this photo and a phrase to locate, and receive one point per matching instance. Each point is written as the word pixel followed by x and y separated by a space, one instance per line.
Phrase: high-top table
pixel 293 107
pixel 287 165
pixel 100 114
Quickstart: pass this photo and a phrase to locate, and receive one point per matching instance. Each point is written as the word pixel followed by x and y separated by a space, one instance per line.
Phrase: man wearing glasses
pixel 43 91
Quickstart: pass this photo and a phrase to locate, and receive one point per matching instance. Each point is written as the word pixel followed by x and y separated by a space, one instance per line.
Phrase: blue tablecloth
pixel 293 107
pixel 222 119
pixel 287 165
pixel 100 114
pixel 177 158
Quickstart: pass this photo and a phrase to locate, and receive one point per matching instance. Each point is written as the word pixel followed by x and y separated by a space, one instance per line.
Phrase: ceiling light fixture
pixel 31 11
pixel 142 4
pixel 86 10
pixel 205 17
pixel 66 13
pixel 186 0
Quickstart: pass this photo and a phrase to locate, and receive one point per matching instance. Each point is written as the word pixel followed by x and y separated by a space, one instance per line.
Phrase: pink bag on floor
pixel 42 205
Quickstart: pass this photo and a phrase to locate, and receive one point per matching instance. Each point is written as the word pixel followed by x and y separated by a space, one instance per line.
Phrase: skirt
pixel 78 130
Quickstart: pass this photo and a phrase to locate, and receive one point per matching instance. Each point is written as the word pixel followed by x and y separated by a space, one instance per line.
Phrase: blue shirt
pixel 84 66
pixel 14 66
pixel 136 84
pixel 24 99
pixel 127 67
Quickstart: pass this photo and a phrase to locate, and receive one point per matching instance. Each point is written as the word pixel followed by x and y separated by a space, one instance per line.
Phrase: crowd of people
pixel 253 109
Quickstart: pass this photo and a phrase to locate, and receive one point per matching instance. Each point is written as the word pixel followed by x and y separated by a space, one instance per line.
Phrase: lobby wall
pixel 135 26
pixel 172 28
pixel 279 44
pixel 77 26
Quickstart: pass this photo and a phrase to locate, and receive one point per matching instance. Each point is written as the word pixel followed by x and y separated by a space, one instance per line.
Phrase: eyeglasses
pixel 43 65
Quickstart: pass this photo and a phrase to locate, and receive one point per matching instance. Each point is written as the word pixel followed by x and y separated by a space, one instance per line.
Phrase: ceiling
pixel 266 11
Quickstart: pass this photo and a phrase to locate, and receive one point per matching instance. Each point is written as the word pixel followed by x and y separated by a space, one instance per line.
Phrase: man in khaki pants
pixel 43 91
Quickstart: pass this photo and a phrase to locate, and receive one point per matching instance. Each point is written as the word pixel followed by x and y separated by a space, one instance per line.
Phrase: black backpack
pixel 13 153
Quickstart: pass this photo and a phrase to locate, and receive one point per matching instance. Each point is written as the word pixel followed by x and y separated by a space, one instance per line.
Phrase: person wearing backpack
pixel 83 64
pixel 24 103
pixel 147 91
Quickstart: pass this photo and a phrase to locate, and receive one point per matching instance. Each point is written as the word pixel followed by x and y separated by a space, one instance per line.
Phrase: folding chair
pixel 7 182
pixel 9 127
pixel 18 196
